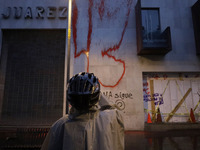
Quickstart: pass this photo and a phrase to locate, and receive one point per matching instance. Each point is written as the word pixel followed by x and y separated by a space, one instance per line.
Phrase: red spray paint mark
pixel 111 14
pixel 101 9
pixel 114 48
pixel 145 84
pixel 165 76
pixel 105 52
pixel 74 25
pixel 90 25
pixel 156 76
pixel 146 90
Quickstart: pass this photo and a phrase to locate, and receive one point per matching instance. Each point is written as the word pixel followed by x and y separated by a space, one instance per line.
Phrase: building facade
pixel 145 54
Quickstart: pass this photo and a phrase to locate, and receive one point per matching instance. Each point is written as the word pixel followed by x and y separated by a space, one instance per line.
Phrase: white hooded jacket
pixel 98 129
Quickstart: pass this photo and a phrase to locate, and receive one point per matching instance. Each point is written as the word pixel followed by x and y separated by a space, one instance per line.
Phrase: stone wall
pixel 104 42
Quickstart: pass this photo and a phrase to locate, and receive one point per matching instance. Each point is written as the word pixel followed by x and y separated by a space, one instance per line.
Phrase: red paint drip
pixel 117 60
pixel 74 25
pixel 90 25
pixel 111 14
pixel 105 52
pixel 116 47
pixel 101 9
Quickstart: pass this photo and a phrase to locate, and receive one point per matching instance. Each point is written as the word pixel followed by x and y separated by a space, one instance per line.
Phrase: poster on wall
pixel 174 96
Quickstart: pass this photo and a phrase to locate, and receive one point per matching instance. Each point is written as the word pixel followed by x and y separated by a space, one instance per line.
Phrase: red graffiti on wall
pixel 114 48
pixel 101 9
pixel 74 25
pixel 145 88
pixel 165 76
pixel 105 52
pixel 104 11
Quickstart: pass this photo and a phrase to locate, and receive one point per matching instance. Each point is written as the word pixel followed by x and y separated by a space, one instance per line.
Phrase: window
pixel 150 25
pixel 150 39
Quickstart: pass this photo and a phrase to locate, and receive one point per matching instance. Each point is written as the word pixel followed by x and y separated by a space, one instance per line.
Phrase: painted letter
pixel 62 12
pixel 105 93
pixel 51 12
pixel 40 11
pixel 116 95
pixel 28 13
pixel 6 15
pixel 110 94
pixel 18 12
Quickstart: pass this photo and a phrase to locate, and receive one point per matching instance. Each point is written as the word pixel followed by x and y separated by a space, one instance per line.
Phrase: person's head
pixel 83 91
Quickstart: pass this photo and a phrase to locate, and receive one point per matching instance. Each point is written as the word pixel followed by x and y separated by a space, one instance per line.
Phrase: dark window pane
pixel 150 24
pixel 34 76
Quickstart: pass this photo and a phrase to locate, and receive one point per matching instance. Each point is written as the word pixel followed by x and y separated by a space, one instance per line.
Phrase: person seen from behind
pixel 92 123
